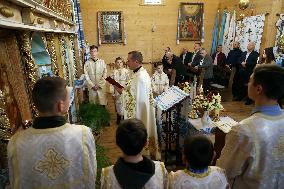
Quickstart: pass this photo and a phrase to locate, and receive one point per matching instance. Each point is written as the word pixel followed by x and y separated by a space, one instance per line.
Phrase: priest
pixel 138 101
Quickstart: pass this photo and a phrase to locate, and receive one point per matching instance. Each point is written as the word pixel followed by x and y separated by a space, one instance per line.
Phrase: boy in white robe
pixel 121 75
pixel 254 150
pixel 132 170
pixel 160 80
pixel 95 72
pixel 52 153
pixel 198 154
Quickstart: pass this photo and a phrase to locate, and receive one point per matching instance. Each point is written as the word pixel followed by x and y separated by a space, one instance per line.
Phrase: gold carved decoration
pixel 7 12
pixel 243 4
pixel 40 21
pixel 5 132
pixel 53 164
pixel 63 46
pixel 55 23
pixel 29 64
pixel 52 52
pixel 61 7
pixel 72 38
pixel 281 43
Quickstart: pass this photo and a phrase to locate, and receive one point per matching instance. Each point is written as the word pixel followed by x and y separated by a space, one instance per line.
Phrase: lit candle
pixel 201 89
pixel 257 60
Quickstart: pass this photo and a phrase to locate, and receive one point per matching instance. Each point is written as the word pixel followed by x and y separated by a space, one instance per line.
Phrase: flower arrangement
pixel 202 103
pixel 186 86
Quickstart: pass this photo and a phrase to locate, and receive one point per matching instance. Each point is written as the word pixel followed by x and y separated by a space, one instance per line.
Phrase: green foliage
pixel 102 161
pixel 94 116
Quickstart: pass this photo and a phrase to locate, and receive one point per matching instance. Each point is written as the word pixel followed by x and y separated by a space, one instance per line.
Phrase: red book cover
pixel 113 82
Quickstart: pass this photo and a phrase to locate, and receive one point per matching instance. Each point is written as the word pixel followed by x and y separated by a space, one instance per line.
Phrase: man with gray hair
pixel 248 61
pixel 175 63
pixel 207 64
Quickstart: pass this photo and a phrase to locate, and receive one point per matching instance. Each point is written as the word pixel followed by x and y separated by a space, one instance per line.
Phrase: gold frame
pixel 101 31
pixel 142 3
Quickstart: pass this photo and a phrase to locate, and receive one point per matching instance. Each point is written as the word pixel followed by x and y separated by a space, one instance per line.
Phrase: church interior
pixel 182 68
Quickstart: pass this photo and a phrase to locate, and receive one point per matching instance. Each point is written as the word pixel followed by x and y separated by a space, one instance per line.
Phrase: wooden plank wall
pixel 139 21
pixel 260 7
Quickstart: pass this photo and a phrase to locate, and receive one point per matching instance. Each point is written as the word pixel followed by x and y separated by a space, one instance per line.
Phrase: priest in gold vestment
pixel 138 101
pixel 52 153
pixel 253 156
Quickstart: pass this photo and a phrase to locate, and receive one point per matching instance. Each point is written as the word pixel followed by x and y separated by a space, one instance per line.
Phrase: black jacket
pixel 196 60
pixel 233 58
pixel 187 59
pixel 250 62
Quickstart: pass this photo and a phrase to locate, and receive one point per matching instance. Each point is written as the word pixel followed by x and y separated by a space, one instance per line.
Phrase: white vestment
pixel 95 73
pixel 138 102
pixel 53 158
pixel 253 156
pixel 157 181
pixel 214 178
pixel 121 76
pixel 160 83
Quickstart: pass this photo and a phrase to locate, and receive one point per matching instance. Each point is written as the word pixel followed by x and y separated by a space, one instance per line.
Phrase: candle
pixel 201 89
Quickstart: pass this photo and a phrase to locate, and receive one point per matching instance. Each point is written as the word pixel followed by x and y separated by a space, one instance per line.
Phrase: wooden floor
pixel 236 110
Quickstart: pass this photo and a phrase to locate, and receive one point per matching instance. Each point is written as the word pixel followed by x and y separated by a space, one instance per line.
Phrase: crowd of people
pixel 218 67
pixel 56 154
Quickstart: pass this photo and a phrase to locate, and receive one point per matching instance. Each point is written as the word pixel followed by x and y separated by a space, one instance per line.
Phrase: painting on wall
pixel 190 21
pixel 110 27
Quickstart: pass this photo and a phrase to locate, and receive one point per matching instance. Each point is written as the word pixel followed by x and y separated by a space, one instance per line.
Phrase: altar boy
pixel 132 170
pixel 198 154
pixel 52 153
pixel 160 80
pixel 121 75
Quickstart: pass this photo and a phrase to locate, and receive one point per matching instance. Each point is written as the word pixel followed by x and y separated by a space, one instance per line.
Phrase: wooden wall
pixel 139 21
pixel 260 7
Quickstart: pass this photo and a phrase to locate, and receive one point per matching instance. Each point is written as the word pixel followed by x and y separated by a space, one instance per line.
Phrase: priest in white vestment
pixel 254 149
pixel 52 153
pixel 95 72
pixel 138 101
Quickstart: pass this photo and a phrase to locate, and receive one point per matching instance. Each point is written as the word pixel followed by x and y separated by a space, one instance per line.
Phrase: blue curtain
pixel 215 34
pixel 222 28
pixel 79 29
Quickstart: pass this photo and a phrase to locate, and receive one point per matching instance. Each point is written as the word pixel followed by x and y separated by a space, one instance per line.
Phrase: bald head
pixel 236 44
pixel 251 46
pixel 169 55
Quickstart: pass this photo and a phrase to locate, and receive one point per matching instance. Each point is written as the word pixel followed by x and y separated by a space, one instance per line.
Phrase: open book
pixel 113 82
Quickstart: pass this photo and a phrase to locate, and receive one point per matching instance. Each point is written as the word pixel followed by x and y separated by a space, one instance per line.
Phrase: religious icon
pixel 110 27
pixel 190 21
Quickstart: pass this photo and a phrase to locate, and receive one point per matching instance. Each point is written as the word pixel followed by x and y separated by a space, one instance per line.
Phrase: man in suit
pixel 248 61
pixel 186 56
pixel 221 71
pixel 234 63
pixel 195 60
pixel 164 59
pixel 175 63
pixel 207 64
